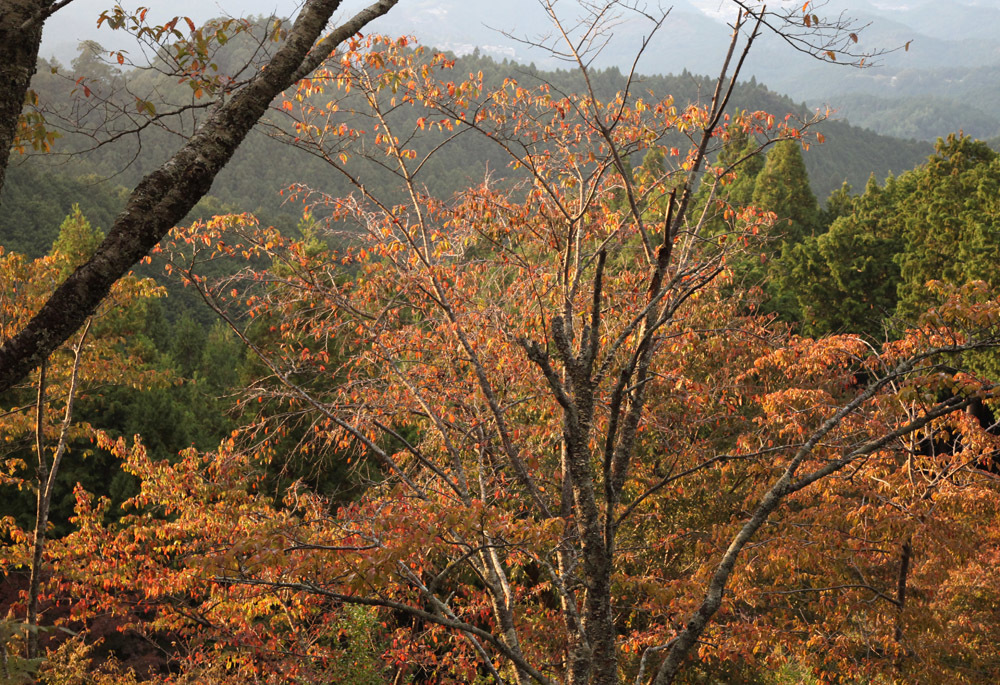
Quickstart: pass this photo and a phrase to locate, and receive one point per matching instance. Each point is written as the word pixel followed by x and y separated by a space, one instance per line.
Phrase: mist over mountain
pixel 944 80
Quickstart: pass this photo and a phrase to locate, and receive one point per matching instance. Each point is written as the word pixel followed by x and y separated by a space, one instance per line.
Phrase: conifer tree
pixel 782 188
pixel 845 279
pixel 77 241
pixel 951 219
pixel 742 151
pixel 725 191
pixel 839 203
pixel 739 162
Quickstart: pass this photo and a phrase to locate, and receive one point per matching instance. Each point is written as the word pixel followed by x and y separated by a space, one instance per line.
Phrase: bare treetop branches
pixel 580 432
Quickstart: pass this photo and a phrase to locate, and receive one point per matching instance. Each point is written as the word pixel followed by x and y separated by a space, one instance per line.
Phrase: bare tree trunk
pixel 905 551
pixel 500 594
pixel 46 484
pixel 41 518
pixel 20 37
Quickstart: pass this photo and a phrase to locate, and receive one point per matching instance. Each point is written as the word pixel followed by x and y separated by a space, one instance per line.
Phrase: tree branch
pixel 167 194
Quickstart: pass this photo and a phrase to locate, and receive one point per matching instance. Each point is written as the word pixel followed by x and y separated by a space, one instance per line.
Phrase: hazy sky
pixel 450 24
pixel 78 21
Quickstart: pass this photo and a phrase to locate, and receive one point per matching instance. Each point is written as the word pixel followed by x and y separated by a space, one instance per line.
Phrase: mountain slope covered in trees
pixel 552 379
pixel 265 165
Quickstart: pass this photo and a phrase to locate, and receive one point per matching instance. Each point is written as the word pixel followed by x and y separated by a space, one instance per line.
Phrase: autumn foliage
pixel 579 453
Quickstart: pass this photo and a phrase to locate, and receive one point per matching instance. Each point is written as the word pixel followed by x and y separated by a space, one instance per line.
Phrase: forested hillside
pixel 468 372
pixel 920 117
pixel 266 164
pixel 930 62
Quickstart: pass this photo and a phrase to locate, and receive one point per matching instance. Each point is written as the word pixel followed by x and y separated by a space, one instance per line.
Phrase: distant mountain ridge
pixel 263 166
pixel 953 55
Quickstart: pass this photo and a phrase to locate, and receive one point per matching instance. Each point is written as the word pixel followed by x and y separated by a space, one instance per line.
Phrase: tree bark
pixel 20 37
pixel 167 194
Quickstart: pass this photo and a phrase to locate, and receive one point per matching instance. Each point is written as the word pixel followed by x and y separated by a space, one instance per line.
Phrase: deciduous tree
pixel 578 436
pixel 99 354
